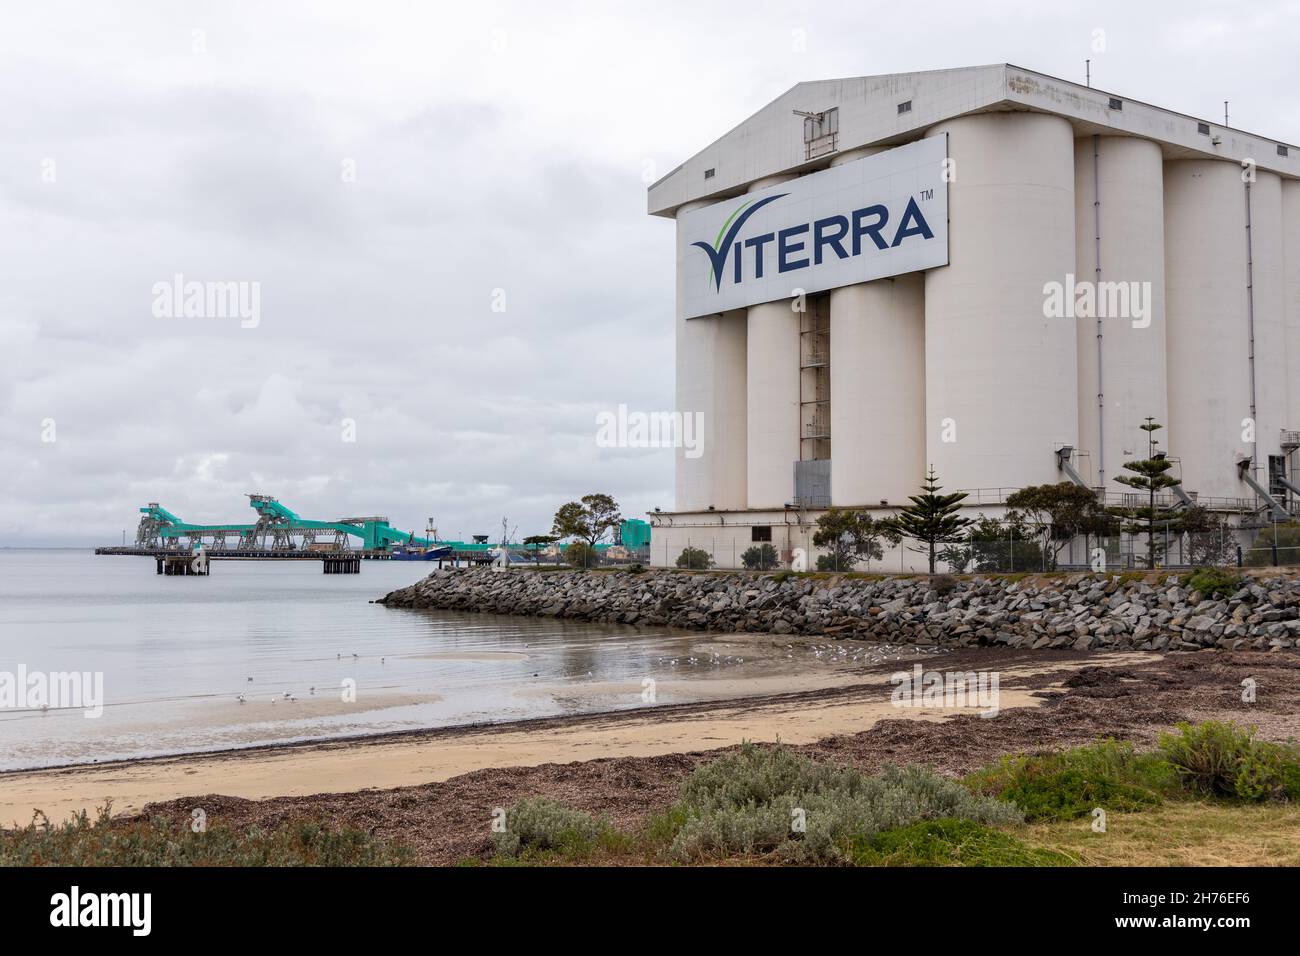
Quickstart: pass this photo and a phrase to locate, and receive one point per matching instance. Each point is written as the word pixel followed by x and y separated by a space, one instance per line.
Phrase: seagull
pixel 241 698
pixel 382 659
pixel 287 695
pixel 291 698
pixel 272 701
pixel 313 690
pixel 250 680
pixel 354 656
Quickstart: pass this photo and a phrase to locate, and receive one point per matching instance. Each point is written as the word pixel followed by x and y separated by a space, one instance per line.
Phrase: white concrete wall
pixel 995 365
pixel 1208 342
pixel 1291 290
pixel 1270 319
pixel 878 390
pixel 772 421
pixel 711 380
pixel 877 385
pixel 1128 369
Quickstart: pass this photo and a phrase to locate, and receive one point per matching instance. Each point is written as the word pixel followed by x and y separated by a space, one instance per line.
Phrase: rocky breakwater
pixel 1082 612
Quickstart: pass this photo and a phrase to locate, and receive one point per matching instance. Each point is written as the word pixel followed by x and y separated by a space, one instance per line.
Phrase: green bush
pixel 1260 554
pixel 1207 582
pixel 1224 760
pixel 695 559
pixel 761 557
pixel 541 825
pixel 755 800
pixel 579 554
pixel 943 584
pixel 948 842
pixel 160 841
pixel 1069 784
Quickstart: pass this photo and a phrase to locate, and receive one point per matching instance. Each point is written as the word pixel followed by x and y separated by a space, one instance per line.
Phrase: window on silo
pixel 708 173
pixel 1203 129
pixel 1281 150
pixel 904 107
pixel 761 534
pixel 821 132
pixel 1116 103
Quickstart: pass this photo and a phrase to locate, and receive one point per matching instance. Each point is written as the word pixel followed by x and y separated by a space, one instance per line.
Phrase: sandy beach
pixel 796 709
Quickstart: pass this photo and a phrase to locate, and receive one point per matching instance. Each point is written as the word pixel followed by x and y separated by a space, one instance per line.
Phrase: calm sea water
pixel 176 652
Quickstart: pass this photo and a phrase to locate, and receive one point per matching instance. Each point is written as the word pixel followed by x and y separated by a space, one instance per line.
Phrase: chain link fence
pixel 1271 546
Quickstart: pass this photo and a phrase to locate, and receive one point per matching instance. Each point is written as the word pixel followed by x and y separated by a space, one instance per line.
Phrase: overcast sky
pixel 380 169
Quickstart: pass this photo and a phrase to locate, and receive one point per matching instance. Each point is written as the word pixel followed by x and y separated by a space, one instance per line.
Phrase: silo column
pixel 1120 241
pixel 773 419
pixel 711 381
pixel 877 385
pixel 1000 375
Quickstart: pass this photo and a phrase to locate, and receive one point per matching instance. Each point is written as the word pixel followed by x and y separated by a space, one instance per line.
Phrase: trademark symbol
pixel 927 194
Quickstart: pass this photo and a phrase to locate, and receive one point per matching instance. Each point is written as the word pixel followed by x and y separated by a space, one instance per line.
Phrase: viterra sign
pixel 885 215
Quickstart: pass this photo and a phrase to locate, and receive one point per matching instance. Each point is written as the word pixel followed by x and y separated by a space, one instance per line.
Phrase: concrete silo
pixel 1291 290
pixel 1207 327
pixel 1000 376
pixel 1086 261
pixel 877 385
pixel 1120 248
pixel 1266 306
pixel 711 380
pixel 772 351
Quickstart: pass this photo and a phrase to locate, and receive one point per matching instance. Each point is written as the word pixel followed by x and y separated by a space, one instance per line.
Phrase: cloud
pixel 386 173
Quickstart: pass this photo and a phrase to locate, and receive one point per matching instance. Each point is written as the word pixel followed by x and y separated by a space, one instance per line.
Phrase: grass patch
pixel 162 842
pixel 1068 784
pixel 947 842
pixel 1182 833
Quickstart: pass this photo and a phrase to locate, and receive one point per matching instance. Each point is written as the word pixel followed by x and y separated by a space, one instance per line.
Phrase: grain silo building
pixel 986 269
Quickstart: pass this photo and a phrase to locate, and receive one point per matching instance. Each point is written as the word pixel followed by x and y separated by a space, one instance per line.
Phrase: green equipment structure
pixel 277 529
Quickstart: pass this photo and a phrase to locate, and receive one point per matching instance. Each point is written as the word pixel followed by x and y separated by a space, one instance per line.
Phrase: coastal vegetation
pixel 1208 793
pixel 159 841
pixel 1088 805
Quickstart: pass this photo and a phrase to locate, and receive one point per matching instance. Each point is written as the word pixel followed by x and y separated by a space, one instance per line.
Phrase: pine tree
pixel 932 518
pixel 1149 475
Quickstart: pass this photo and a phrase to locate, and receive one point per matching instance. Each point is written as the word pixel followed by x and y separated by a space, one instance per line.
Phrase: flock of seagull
pixel 833 652
pixel 291 698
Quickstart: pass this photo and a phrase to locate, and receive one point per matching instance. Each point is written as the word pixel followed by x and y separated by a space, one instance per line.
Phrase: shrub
pixel 948 842
pixel 1207 582
pixel 750 801
pixel 540 825
pixel 1222 759
pixel 579 554
pixel 160 841
pixel 761 557
pixel 1069 784
pixel 943 584
pixel 695 559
